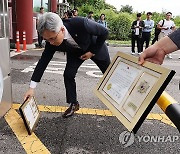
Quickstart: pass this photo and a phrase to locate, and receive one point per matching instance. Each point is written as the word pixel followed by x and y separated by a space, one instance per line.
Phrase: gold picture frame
pixel 130 90
pixel 30 114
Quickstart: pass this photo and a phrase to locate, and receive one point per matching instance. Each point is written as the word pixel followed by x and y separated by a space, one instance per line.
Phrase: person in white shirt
pixel 167 28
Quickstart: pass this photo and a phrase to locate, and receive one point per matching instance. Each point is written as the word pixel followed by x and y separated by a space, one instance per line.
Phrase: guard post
pixel 5 76
pixel 170 107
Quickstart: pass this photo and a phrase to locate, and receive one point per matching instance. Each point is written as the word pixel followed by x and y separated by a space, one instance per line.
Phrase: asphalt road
pixel 85 133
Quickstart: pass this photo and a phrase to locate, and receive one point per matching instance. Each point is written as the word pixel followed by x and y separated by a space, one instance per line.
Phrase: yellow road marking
pixel 30 143
pixel 46 108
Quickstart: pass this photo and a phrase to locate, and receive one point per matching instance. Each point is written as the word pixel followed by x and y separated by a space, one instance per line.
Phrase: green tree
pixel 126 8
pixel 84 9
pixel 120 26
pixel 177 21
pixel 119 22
pixel 36 9
pixel 108 6
pixel 97 4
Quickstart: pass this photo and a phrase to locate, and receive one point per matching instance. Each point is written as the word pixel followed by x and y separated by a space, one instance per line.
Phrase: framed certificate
pixel 30 114
pixel 130 90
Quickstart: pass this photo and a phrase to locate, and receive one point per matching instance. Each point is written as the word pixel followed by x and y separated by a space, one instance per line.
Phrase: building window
pixel 38 3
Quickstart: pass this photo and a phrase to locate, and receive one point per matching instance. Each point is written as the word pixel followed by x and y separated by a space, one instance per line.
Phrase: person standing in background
pixel 156 34
pixel 67 14
pixel 167 28
pixel 137 27
pixel 90 15
pixel 146 33
pixel 75 12
pixel 102 20
pixel 40 38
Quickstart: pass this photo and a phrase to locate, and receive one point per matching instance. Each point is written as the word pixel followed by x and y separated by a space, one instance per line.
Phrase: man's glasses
pixel 53 39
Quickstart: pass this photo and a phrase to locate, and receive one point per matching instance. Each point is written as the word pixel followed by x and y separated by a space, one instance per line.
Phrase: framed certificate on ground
pixel 30 114
pixel 130 90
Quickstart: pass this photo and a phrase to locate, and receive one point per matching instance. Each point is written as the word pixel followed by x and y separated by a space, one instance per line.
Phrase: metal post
pixel 170 107
pixel 49 5
pixel 41 3
pixel 5 75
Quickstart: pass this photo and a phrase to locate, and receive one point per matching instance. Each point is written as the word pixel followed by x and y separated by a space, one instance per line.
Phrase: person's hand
pixel 152 54
pixel 147 26
pixel 157 51
pixel 165 28
pixel 29 93
pixel 87 55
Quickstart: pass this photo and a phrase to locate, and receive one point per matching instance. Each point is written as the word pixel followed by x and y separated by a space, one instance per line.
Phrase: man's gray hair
pixel 49 21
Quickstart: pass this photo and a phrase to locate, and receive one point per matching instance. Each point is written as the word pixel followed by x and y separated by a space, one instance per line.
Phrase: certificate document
pixel 128 87
pixel 121 81
pixel 30 114
pixel 130 90
pixel 138 95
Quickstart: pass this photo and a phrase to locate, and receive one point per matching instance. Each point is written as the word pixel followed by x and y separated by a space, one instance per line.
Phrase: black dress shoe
pixel 70 111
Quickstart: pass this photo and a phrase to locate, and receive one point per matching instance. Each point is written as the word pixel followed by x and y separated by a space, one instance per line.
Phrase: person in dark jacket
pixel 137 27
pixel 82 39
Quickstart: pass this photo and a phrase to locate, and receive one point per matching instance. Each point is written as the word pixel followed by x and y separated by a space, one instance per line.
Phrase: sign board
pixel 30 114
pixel 130 90
pixel 1 84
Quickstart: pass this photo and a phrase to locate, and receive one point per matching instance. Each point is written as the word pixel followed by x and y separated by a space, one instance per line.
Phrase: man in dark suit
pixel 82 39
pixel 137 27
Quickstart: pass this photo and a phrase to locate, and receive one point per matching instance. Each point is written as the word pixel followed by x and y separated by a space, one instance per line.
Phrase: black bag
pixel 157 30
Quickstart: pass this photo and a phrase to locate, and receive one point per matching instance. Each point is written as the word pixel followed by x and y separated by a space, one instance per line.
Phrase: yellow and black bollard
pixel 170 107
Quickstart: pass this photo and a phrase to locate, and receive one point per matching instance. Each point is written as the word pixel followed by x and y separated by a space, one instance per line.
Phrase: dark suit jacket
pixel 89 35
pixel 141 23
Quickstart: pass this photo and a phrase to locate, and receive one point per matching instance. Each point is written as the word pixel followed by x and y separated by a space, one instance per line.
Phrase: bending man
pixel 82 39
